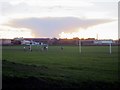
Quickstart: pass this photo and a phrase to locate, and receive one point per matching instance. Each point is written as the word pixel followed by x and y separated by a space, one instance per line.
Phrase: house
pixel 38 40
pixel 5 41
pixel 103 42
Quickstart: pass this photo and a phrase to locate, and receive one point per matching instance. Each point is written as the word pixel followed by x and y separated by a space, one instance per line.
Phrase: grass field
pixel 94 67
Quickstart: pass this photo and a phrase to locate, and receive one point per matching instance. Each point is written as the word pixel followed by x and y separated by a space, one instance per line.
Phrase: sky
pixel 59 18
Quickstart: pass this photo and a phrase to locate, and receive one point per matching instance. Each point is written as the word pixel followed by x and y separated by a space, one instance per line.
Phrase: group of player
pixel 29 48
pixel 43 48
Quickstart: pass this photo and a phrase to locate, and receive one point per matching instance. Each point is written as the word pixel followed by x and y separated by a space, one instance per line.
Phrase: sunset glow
pixel 97 32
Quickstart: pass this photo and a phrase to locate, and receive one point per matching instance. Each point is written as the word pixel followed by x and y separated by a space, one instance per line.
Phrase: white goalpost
pixel 110 48
pixel 80 46
pixel 108 42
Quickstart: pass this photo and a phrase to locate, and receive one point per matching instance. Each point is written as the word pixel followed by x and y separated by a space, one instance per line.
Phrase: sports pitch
pixel 94 64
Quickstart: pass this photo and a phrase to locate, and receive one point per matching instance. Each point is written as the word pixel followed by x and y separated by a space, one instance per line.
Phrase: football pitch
pixel 94 67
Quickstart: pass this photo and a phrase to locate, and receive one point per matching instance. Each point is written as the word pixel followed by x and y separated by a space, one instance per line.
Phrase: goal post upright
pixel 80 48
pixel 110 48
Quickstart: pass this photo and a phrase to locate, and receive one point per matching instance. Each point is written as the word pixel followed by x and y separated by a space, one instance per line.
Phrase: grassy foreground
pixel 94 68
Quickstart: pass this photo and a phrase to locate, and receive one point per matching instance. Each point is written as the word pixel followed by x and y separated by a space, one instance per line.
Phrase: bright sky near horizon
pixel 59 18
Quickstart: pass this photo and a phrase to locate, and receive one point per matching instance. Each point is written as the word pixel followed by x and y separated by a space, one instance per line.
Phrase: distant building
pixel 25 42
pixel 38 40
pixel 55 41
pixel 5 41
pixel 87 42
pixel 104 42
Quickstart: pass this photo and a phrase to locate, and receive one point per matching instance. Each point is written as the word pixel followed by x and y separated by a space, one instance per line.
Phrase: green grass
pixel 93 64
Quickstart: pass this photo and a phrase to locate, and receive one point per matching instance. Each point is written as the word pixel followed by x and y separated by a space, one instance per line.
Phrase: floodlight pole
pixel 110 49
pixel 80 50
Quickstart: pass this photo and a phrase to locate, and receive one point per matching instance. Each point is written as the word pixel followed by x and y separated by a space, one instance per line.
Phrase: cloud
pixel 53 26
pixel 70 8
pixel 8 8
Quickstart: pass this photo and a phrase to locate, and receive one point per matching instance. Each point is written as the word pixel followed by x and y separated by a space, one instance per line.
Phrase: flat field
pixel 93 68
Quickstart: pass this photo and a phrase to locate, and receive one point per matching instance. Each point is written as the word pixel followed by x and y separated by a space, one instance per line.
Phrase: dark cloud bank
pixel 53 26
